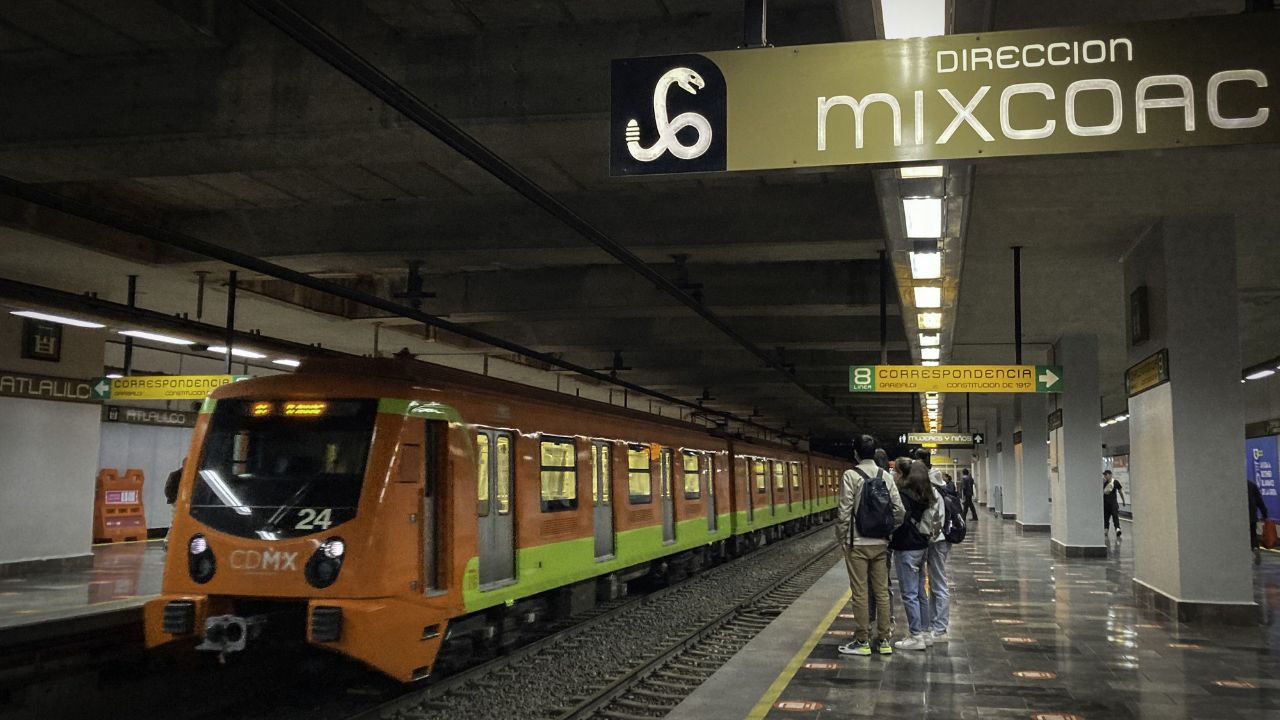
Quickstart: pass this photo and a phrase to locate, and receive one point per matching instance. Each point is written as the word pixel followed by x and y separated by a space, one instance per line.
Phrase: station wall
pixel 48 450
pixel 157 451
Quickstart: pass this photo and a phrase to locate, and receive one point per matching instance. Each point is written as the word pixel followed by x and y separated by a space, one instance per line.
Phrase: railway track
pixel 633 661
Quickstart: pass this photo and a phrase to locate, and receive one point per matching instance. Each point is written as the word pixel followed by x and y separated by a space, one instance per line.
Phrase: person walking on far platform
pixel 1112 493
pixel 869 511
pixel 966 495
pixel 1257 514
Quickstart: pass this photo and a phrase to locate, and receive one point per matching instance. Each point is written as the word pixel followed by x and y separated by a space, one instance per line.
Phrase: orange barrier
pixel 118 513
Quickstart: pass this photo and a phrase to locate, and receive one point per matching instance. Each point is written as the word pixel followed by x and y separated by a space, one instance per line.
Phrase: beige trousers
pixel 869 573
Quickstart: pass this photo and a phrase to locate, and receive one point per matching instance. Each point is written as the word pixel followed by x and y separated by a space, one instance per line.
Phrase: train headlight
pixel 201 562
pixel 334 548
pixel 325 563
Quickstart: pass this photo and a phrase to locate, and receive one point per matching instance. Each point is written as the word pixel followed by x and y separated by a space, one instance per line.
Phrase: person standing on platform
pixel 1112 494
pixel 869 511
pixel 910 544
pixel 966 494
pixel 938 602
pixel 1257 514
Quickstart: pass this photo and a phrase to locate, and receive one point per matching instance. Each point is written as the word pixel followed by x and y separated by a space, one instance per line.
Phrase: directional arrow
pixel 101 388
pixel 1049 379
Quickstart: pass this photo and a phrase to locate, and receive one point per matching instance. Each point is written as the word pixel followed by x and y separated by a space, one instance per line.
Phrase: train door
pixel 709 472
pixel 496 527
pixel 668 508
pixel 601 498
pixel 436 470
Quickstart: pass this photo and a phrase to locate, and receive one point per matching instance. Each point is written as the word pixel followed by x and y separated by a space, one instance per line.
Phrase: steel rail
pixel 109 218
pixel 620 687
pixel 347 61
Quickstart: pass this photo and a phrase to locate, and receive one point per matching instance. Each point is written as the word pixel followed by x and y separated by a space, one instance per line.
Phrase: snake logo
pixel 690 82
pixel 667 116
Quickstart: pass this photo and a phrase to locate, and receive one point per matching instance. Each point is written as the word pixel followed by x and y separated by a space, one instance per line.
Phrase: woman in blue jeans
pixel 910 544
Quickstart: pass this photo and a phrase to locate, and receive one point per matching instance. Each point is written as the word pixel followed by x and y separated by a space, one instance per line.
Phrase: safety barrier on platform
pixel 118 513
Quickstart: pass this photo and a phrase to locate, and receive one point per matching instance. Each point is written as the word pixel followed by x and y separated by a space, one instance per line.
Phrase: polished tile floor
pixel 1035 637
pixel 123 575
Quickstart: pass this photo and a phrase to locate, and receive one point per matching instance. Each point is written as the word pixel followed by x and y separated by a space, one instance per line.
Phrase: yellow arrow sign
pixel 169 387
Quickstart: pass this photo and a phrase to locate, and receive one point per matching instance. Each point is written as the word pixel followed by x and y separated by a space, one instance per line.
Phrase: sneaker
pixel 1118 533
pixel 884 648
pixel 855 647
pixel 939 638
pixel 928 638
pixel 915 642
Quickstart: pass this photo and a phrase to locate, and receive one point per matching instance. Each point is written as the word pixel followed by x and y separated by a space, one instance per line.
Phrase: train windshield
pixel 274 469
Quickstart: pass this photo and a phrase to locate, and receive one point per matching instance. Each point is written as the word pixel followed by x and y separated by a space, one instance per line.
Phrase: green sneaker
pixel 855 648
pixel 884 647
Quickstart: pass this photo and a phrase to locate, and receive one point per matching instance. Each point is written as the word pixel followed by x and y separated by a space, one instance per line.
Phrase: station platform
pixel 1031 637
pixel 45 604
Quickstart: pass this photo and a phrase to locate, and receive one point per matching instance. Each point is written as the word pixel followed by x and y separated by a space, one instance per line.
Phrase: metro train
pixel 385 509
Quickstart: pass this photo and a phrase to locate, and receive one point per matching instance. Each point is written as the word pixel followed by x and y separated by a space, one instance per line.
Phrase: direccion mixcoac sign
pixel 1180 83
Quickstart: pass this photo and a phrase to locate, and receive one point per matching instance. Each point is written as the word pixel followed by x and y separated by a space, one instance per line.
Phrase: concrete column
pixel 1186 436
pixel 1033 469
pixel 1009 469
pixel 983 480
pixel 1076 486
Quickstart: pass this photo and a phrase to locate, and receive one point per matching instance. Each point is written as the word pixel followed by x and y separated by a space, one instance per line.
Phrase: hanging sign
pixel 160 387
pixel 955 378
pixel 1137 86
pixel 44 387
pixel 937 439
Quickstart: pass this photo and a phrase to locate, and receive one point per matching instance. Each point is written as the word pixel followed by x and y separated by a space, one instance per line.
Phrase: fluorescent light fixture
pixel 925 265
pixel 237 352
pixel 913 18
pixel 930 320
pixel 286 362
pixel 1268 372
pixel 144 335
pixel 931 395
pixel 114 376
pixel 921 171
pixel 56 319
pixel 930 340
pixel 923 216
pixel 930 363
pixel 1102 424
pixel 930 353
pixel 1121 418
pixel 928 297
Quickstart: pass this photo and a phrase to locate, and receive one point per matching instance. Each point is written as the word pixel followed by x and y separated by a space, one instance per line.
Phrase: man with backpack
pixel 870 510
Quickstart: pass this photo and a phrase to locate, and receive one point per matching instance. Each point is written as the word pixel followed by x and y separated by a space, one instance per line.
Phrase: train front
pixel 300 520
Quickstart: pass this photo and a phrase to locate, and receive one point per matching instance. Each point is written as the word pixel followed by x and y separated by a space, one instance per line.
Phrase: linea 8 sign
pixel 862 378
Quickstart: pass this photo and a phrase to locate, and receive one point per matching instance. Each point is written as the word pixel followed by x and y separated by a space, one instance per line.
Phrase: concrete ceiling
pixel 202 118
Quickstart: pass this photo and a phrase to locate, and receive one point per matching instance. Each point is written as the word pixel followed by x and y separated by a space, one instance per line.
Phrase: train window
pixel 692 475
pixel 639 480
pixel 711 475
pixel 559 475
pixel 762 480
pixel 601 473
pixel 779 477
pixel 502 491
pixel 272 475
pixel 795 474
pixel 482 474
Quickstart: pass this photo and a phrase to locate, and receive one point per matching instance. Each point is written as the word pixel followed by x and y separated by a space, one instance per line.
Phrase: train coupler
pixel 226 634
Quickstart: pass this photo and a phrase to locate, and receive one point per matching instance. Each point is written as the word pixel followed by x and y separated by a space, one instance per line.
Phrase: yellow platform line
pixel 771 695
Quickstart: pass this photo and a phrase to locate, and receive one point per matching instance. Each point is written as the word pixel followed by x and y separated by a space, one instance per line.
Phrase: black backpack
pixel 874 518
pixel 953 526
pixel 908 535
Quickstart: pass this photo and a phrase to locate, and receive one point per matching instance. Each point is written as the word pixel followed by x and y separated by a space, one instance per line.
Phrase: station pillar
pixel 1033 469
pixel 983 470
pixel 1008 468
pixel 1075 453
pixel 1186 424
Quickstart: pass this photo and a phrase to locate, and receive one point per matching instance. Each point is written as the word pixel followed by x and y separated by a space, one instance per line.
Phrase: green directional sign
pixel 101 387
pixel 955 378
